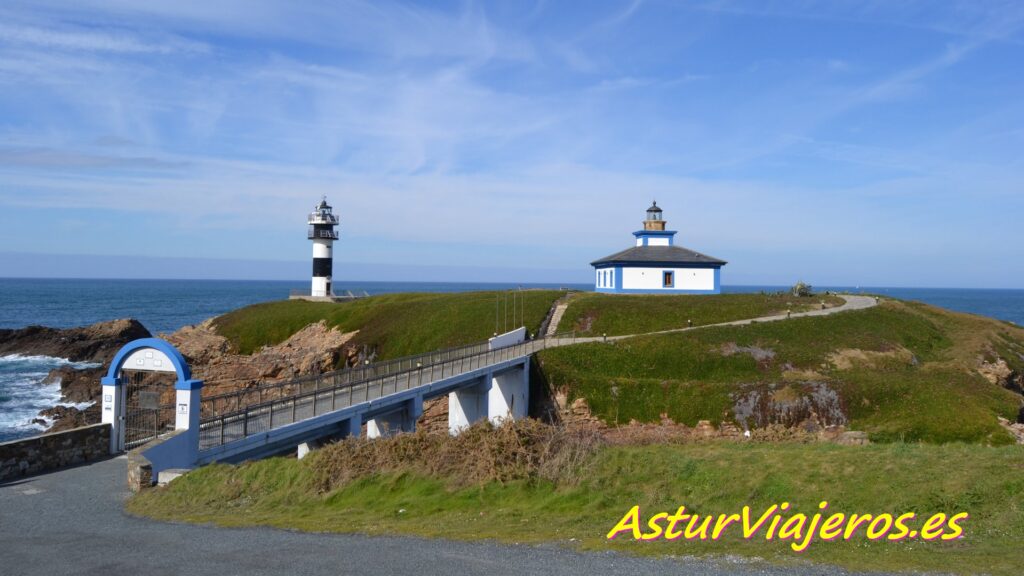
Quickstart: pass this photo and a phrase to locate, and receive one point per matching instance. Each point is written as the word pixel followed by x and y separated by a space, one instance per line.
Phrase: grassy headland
pixel 620 314
pixel 404 487
pixel 902 371
pixel 394 324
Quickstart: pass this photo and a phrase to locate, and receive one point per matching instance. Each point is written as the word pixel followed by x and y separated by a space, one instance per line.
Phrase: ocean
pixel 165 305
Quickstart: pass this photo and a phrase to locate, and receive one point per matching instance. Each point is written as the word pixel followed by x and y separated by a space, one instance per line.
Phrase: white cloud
pixel 114 41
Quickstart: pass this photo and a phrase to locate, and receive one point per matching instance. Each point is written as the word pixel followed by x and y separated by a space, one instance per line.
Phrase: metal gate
pixel 146 415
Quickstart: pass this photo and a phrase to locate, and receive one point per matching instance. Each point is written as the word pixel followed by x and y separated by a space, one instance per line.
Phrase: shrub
pixel 802 290
pixel 516 450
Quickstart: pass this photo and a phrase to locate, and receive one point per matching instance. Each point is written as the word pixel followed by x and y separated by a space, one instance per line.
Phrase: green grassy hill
pixel 590 313
pixel 394 324
pixel 901 371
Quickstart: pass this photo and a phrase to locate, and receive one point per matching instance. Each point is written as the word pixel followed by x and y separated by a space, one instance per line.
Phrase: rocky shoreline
pixel 315 348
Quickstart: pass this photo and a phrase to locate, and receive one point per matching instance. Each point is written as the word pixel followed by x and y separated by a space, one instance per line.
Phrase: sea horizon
pixel 166 305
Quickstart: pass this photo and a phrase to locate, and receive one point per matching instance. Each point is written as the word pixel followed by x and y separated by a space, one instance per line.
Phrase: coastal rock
pixel 315 348
pixel 200 344
pixel 69 417
pixel 997 372
pixel 1016 429
pixel 77 385
pixel 95 343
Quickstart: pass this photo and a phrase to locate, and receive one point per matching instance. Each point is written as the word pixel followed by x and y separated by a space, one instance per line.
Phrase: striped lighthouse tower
pixel 321 231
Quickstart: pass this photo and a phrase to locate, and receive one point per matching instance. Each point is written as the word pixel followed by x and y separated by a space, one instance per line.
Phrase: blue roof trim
pixel 639 233
pixel 622 263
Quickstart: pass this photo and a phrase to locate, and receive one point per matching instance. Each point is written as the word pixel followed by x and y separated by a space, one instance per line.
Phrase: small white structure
pixel 322 222
pixel 655 265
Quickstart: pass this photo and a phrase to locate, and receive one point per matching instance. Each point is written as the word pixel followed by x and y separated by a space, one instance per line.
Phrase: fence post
pixel 245 423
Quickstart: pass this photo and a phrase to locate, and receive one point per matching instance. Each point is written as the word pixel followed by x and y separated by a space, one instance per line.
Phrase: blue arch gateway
pixel 137 407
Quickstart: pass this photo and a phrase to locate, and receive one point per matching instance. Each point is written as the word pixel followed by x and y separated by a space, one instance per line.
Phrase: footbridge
pixel 483 381
pixel 489 380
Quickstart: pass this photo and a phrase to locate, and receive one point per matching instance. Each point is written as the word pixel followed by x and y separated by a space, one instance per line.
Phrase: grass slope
pixel 708 478
pixel 394 324
pixel 914 378
pixel 620 314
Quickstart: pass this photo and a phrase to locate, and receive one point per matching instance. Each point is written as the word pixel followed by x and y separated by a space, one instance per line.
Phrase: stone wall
pixel 52 451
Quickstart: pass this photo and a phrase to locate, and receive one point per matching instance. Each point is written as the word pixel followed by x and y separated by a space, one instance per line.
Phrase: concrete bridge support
pixel 468 405
pixel 351 426
pixel 402 419
pixel 509 395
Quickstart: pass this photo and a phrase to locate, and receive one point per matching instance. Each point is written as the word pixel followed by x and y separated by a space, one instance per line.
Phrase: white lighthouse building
pixel 322 223
pixel 656 265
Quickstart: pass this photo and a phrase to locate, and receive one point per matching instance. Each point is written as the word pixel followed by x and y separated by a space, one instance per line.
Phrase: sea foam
pixel 24 391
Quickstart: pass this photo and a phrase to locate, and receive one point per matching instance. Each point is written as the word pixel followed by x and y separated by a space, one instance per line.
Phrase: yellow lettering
pixel 957 531
pixel 932 528
pixel 654 526
pixel 723 523
pixel 855 522
pixel 631 521
pixel 902 531
pixel 748 530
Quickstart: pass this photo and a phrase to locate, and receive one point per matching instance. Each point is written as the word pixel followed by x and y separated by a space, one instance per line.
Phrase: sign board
pixel 149 400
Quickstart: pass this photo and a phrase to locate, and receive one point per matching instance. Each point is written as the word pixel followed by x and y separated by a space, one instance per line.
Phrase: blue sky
pixel 843 143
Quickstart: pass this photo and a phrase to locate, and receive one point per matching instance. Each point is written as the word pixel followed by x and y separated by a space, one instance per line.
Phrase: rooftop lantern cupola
pixel 654 221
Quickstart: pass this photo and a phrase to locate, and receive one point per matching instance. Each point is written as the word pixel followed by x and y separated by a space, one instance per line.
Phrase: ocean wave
pixel 24 391
pixel 50 362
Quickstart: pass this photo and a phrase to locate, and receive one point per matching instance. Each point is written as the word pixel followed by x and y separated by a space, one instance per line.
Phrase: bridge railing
pixel 230 402
pixel 326 396
pixel 256 418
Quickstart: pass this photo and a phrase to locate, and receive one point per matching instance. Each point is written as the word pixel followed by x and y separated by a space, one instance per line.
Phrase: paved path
pixel 851 303
pixel 71 522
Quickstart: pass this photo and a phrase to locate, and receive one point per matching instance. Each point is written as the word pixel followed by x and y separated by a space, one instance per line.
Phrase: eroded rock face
pixel 997 372
pixel 811 406
pixel 315 348
pixel 95 343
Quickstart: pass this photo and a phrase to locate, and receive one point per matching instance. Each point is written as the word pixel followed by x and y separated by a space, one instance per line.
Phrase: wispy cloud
pixel 544 122
pixel 114 41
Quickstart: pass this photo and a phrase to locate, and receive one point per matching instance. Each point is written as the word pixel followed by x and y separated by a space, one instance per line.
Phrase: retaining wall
pixel 52 451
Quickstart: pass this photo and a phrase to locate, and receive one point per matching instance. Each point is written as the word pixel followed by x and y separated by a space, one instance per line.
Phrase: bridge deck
pixel 278 413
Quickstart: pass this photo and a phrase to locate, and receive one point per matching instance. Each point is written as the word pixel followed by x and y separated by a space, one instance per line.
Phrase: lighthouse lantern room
pixel 322 223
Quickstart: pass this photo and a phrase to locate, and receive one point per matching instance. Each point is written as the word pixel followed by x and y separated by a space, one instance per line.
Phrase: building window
pixel 667 279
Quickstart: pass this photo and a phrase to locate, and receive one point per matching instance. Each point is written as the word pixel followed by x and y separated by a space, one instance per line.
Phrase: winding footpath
pixel 72 522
